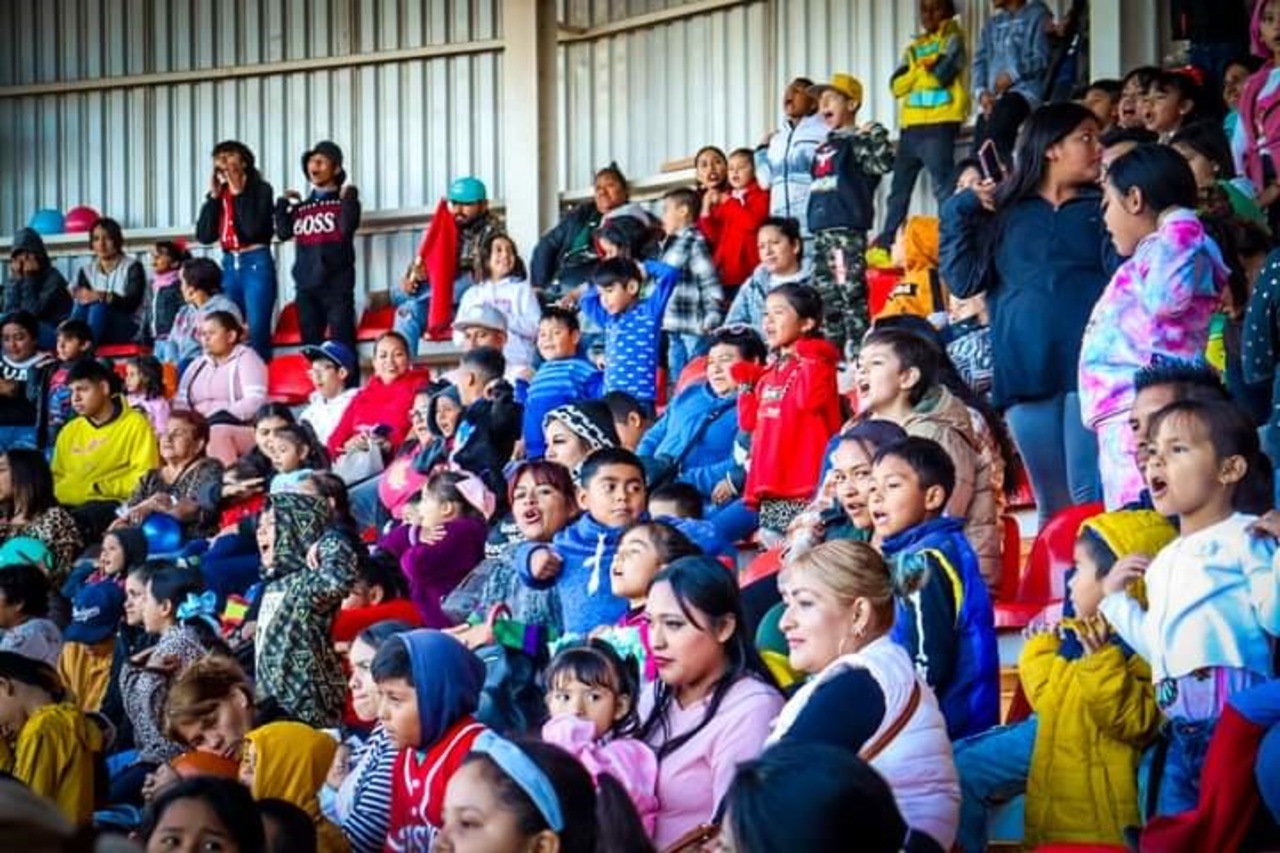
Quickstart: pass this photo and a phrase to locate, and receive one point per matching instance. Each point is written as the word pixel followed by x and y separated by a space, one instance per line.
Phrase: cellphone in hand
pixel 989 162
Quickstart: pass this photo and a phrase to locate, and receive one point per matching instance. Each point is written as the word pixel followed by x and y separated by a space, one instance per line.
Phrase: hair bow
pixel 478 495
pixel 204 604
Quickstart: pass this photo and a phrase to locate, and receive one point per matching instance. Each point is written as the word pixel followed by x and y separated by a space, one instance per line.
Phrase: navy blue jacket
pixel 1042 269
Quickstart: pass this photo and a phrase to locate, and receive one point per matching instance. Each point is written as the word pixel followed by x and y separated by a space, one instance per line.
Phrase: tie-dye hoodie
pixel 1157 303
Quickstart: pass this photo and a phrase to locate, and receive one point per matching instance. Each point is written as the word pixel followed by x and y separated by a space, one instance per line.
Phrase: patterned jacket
pixel 296 663
pixel 695 304
pixel 145 691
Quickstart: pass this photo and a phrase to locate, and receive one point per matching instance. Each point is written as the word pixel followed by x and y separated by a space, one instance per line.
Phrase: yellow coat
pixel 86 672
pixel 103 463
pixel 1095 716
pixel 923 100
pixel 55 757
pixel 291 763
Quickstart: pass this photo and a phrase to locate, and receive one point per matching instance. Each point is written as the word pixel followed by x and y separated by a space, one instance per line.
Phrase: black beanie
pixel 330 150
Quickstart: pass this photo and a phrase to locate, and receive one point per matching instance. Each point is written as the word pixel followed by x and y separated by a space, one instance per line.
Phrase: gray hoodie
pixel 44 294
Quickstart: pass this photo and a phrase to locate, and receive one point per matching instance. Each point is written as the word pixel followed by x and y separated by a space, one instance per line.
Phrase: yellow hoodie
pixel 291 762
pixel 924 98
pixel 103 463
pixel 55 756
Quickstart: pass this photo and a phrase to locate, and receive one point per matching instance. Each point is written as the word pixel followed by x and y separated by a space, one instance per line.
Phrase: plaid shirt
pixel 696 304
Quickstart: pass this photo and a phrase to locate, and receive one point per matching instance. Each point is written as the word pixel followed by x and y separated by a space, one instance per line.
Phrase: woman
pixel 714 699
pixel 226 385
pixel 201 283
pixel 29 509
pixel 183 484
pixel 1037 247
pixel 379 413
pixel 543 502
pixel 781 262
pixel 566 254
pixel 204 813
pixel 574 431
pixel 237 214
pixel 839 612
pixel 108 290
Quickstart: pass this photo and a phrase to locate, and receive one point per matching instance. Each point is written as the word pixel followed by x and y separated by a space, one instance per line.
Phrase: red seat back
pixel 289 379
pixel 1053 553
pixel 765 564
pixel 1010 558
pixel 694 371
pixel 375 322
pixel 288 333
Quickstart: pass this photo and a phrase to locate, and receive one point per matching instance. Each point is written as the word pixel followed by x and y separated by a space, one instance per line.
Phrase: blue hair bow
pixel 513 761
pixel 204 604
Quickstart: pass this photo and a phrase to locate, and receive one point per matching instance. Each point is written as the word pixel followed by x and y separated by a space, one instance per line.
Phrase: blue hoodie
pixel 587 549
pixel 707 462
pixel 946 622
pixel 447 678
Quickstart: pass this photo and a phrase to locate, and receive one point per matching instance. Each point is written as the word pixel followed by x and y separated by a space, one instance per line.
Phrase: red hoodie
pixel 379 404
pixel 730 227
pixel 792 411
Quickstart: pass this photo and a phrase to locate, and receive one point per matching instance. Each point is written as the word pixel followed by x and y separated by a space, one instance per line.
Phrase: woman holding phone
pixel 1036 246
pixel 237 215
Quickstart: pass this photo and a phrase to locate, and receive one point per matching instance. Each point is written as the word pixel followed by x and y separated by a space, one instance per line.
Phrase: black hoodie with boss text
pixel 323 225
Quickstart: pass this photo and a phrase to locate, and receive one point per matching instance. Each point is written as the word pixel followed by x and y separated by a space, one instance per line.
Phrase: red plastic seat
pixel 765 564
pixel 288 333
pixel 289 379
pixel 694 371
pixel 122 350
pixel 375 322
pixel 1010 558
pixel 1043 580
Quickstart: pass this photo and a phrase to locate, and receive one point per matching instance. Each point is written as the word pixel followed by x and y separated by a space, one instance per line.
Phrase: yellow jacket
pixel 1095 716
pixel 86 672
pixel 291 762
pixel 103 463
pixel 920 292
pixel 924 99
pixel 55 757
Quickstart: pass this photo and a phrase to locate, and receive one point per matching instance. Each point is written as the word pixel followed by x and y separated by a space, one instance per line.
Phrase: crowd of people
pixel 501 608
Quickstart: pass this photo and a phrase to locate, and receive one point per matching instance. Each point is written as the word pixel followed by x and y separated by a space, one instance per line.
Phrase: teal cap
pixel 467 190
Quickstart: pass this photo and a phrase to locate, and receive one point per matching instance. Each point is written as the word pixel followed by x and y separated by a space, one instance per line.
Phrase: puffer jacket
pixel 783 166
pixel 941 416
pixel 1095 714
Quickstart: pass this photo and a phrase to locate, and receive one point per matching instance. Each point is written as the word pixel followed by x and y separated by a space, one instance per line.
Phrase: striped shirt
pixel 362 807
pixel 564 380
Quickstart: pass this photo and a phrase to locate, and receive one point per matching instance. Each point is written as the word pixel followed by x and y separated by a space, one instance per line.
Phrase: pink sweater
pixel 693 779
pixel 237 384
pixel 629 761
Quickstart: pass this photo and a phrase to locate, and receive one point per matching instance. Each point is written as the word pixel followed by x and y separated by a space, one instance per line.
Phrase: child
pixel 711 169
pixel 933 101
pixel 1174 99
pixel 23 373
pixel 694 308
pixel 592 698
pixel 501 281
pixel 1092 697
pixel 295 454
pixel 1102 97
pixel 920 291
pixel 1010 69
pixel 200 283
pixel 631 418
pixel 644 550
pixel 430 686
pixel 289 761
pixel 631 324
pixel 1254 142
pixel 563 376
pixel 24 612
pixel 445 543
pixel 580 558
pixel 846 171
pixel 944 617
pixel 1213 613
pixel 144 390
pixel 85 662
pixel 730 219
pixel 56 746
pixel 491 418
pixel 74 342
pixel 109 289
pixel 1158 303
pixel 164 299
pixel 308 567
pixel 379 593
pixel 324 227
pixel 899 380
pixel 791 408
pixel 333 364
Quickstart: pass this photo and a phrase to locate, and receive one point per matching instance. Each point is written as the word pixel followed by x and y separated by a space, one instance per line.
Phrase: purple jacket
pixel 435 568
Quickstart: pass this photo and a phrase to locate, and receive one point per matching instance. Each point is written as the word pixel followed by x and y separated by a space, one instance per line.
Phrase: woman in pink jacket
pixel 226 384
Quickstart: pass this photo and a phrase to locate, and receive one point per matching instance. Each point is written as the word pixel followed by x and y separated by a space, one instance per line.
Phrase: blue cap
pixel 96 612
pixel 467 190
pixel 339 353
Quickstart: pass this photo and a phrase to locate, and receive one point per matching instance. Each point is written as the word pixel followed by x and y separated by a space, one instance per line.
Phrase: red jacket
pixel 379 404
pixel 730 227
pixel 791 411
pixel 418 782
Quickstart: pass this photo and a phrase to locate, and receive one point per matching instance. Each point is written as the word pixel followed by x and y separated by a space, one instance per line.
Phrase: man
pixel 102 453
pixel 784 158
pixel 333 364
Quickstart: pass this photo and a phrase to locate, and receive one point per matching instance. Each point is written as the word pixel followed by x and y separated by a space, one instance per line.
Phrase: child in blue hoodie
pixel 579 559
pixel 324 226
pixel 944 617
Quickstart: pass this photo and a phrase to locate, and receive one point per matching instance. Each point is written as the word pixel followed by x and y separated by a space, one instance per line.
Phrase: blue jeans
pixel 1178 786
pixel 1059 451
pixel 249 280
pixel 734 521
pixel 930 146
pixel 682 349
pixel 366 507
pixel 412 311
pixel 993 769
pixel 108 325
